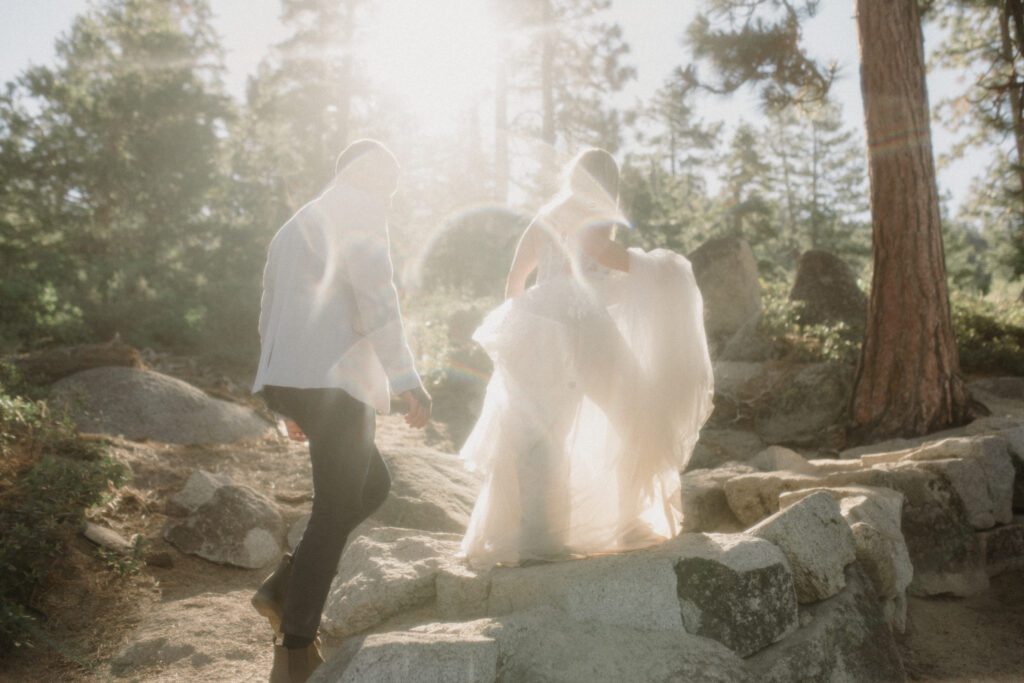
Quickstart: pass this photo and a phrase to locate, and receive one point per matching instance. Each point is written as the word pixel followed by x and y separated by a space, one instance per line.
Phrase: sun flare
pixel 435 57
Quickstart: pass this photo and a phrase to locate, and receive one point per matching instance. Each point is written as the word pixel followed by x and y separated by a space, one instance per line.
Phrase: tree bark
pixel 908 379
pixel 547 76
pixel 1012 10
pixel 501 160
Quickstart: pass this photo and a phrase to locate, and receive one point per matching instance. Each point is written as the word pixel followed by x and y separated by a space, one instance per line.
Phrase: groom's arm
pixel 371 273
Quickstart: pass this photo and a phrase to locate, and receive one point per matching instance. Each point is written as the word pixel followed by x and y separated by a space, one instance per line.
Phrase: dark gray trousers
pixel 350 481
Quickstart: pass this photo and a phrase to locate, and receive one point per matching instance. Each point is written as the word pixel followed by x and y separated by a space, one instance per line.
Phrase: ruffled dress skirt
pixel 597 398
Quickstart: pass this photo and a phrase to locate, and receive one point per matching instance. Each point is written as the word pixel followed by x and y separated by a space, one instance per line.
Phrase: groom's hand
pixel 418 407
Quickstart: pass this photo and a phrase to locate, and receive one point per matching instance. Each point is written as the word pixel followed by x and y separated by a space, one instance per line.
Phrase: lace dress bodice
pixel 562 247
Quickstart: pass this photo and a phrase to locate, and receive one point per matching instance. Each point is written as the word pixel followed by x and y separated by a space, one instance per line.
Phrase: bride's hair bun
pixel 597 166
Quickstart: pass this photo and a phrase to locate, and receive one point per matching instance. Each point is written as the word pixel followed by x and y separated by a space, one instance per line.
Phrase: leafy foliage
pixel 48 478
pixel 989 335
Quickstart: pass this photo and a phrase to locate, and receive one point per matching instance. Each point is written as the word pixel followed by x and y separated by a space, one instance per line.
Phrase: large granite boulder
pixel 874 515
pixel 845 638
pixel 828 289
pixel 728 587
pixel 383 572
pixel 1001 395
pixel 979 468
pixel 942 543
pixel 430 490
pixel 727 276
pixel 752 343
pixel 539 645
pixel 816 540
pixel 635 590
pixel 460 653
pixel 733 588
pixel 807 406
pixel 228 524
pixel 142 404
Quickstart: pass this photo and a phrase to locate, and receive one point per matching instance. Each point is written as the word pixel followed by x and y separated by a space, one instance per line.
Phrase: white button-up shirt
pixel 329 316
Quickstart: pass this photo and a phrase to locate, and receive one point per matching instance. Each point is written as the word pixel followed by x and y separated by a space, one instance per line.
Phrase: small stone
pixel 107 538
pixel 236 526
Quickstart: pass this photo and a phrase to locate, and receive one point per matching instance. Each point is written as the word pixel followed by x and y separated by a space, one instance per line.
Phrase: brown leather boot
pixel 269 598
pixel 295 665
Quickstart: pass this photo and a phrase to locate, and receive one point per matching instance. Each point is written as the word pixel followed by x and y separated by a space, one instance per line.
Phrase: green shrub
pixel 780 322
pixel 48 478
pixel 989 335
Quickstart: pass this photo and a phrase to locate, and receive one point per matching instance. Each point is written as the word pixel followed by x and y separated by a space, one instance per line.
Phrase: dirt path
pixel 968 639
pixel 191 619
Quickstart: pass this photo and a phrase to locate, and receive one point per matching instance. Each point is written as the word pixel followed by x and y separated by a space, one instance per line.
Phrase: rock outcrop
pixel 828 289
pixel 816 540
pixel 142 404
pixel 227 524
pixel 726 273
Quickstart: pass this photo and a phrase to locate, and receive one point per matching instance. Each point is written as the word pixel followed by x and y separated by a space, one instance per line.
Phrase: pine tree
pixel 115 162
pixel 914 387
pixel 986 39
pixel 819 180
pixel 664 185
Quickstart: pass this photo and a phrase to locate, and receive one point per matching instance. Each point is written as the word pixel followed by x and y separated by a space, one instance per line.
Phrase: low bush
pixel 780 322
pixel 48 479
pixel 989 335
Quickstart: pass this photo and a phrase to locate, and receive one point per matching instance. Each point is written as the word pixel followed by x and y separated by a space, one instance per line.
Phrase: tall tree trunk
pixel 548 157
pixel 908 379
pixel 501 161
pixel 547 76
pixel 502 170
pixel 1012 10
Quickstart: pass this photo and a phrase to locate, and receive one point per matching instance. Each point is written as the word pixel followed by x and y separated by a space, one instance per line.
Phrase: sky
pixel 653 29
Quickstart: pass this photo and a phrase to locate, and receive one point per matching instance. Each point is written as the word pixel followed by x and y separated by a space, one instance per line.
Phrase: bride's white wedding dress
pixel 601 384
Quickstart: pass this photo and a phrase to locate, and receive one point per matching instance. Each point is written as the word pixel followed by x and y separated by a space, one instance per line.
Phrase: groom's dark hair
pixel 358 149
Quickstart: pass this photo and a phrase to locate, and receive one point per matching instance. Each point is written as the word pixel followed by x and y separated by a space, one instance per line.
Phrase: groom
pixel 333 350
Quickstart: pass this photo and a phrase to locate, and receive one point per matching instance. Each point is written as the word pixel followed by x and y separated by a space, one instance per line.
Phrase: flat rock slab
pixel 459 655
pixel 540 645
pixel 816 540
pixel 636 590
pixel 142 404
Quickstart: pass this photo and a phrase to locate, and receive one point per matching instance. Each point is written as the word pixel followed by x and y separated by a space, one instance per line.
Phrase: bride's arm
pixel 523 263
pixel 598 244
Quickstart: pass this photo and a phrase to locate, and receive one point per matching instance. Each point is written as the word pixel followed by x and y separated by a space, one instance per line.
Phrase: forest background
pixel 138 196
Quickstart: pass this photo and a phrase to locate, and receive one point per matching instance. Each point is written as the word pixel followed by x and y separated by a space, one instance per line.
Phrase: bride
pixel 601 384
